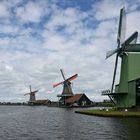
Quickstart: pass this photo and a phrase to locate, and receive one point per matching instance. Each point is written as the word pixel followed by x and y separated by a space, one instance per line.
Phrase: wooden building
pixel 78 100
pixel 41 102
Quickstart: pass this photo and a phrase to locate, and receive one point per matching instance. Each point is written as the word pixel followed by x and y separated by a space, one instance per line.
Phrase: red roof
pixel 74 98
pixel 41 101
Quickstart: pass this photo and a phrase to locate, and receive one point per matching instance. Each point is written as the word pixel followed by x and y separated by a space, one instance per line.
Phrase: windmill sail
pixel 26 94
pixel 55 85
pixel 121 33
pixel 121 36
pixel 72 77
pixel 131 40
pixel 62 74
pixel 65 80
pixel 110 53
pixel 30 88
pixel 122 26
pixel 115 70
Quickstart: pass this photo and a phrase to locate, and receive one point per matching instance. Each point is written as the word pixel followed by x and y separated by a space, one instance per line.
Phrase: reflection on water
pixel 127 127
pixel 44 123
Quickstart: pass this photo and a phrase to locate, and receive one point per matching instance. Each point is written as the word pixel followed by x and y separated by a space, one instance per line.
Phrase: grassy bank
pixel 110 113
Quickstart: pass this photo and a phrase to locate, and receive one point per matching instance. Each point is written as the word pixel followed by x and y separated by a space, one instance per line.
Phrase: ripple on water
pixel 44 123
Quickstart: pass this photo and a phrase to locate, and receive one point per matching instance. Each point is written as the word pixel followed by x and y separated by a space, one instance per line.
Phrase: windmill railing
pixel 105 92
pixel 62 95
pixel 108 92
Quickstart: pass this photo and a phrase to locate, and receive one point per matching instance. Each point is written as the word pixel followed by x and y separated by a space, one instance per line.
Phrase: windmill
pixel 32 95
pixel 125 93
pixel 67 89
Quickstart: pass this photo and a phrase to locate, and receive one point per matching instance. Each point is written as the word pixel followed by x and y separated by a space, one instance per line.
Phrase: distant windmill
pixel 125 93
pixel 32 95
pixel 67 89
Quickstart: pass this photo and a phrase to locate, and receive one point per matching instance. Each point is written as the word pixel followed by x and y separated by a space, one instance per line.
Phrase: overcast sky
pixel 38 37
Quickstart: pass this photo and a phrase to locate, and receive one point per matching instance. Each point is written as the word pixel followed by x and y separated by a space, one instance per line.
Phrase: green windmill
pixel 127 92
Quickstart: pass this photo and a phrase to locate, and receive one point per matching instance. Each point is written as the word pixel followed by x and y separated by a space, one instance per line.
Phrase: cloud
pixel 105 28
pixel 4 12
pixel 30 12
pixel 133 26
pixel 107 9
pixel 8 29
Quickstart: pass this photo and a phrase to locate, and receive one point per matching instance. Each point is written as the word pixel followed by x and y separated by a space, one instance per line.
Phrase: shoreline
pixel 110 113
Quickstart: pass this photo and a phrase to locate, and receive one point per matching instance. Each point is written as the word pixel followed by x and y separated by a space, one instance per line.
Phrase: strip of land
pixel 110 113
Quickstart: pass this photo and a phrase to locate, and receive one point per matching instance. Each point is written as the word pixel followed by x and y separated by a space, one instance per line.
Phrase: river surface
pixel 49 123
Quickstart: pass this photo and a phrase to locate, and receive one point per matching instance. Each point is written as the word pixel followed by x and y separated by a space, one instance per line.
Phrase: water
pixel 44 123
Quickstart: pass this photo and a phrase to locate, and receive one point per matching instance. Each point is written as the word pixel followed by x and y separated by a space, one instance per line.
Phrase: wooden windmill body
pixel 32 94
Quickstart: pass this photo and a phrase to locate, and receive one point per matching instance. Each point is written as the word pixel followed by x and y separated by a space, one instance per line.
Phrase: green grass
pixel 109 113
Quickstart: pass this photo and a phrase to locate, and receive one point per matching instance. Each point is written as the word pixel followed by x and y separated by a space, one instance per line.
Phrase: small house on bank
pixel 42 102
pixel 78 100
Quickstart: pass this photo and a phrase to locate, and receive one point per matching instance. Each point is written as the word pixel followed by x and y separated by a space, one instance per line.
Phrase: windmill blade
pixel 34 91
pixel 72 77
pixel 132 48
pixel 27 94
pixel 115 69
pixel 30 88
pixel 130 40
pixel 121 36
pixel 62 74
pixel 110 53
pixel 122 27
pixel 55 85
pixel 31 92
